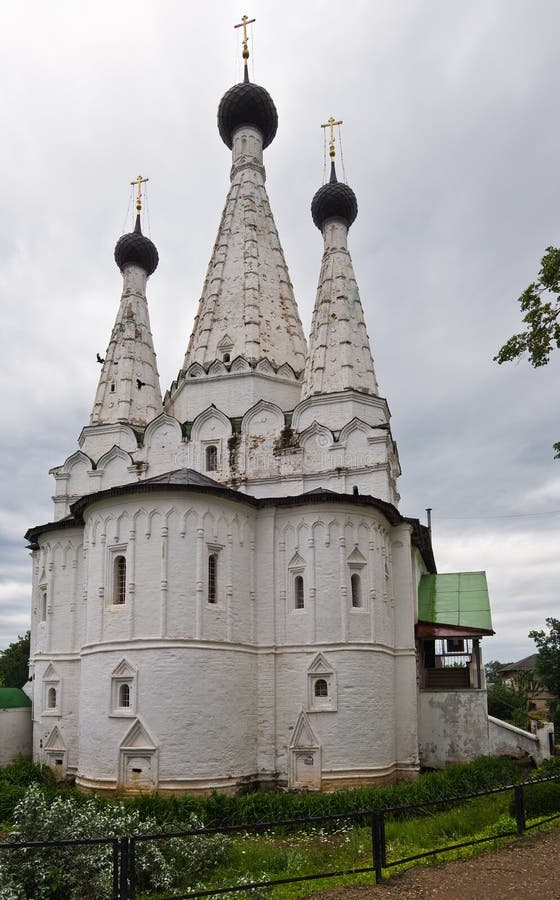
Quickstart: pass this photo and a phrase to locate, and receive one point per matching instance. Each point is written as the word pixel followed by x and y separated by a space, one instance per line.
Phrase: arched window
pixel 211 458
pixel 43 606
pixel 124 695
pixel 51 698
pixel 119 584
pixel 226 357
pixel 321 688
pixel 299 592
pixel 356 585
pixel 213 578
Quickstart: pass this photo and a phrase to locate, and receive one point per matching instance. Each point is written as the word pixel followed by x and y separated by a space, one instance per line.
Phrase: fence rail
pixel 123 857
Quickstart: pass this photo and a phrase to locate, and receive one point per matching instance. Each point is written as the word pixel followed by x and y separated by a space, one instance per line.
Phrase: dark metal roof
pixel 527 664
pixel 191 480
pixel 334 200
pixel 247 104
pixel 137 249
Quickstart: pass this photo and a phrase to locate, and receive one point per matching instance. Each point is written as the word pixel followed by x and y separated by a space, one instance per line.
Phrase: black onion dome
pixel 137 249
pixel 334 200
pixel 247 104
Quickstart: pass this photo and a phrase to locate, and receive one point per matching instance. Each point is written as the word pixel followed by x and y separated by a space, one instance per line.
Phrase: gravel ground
pixel 526 869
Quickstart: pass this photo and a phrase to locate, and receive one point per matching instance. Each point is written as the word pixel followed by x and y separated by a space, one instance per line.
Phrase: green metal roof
pixel 13 698
pixel 459 598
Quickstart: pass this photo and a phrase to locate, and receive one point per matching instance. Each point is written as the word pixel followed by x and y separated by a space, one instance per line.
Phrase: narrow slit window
pixel 43 606
pixel 124 696
pixel 356 585
pixel 119 592
pixel 211 458
pixel 299 592
pixel 213 578
pixel 51 698
pixel 321 688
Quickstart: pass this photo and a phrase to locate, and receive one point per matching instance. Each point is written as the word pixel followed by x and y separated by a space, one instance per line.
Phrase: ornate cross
pixel 139 182
pixel 243 24
pixel 330 124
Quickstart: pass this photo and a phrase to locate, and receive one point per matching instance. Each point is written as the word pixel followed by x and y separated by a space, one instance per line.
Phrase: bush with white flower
pixel 83 872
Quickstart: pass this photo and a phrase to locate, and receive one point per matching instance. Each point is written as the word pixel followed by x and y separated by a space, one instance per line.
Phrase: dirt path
pixel 526 869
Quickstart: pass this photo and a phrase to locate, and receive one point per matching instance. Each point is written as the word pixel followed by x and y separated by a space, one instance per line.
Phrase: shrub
pixel 540 800
pixel 84 872
pixel 24 772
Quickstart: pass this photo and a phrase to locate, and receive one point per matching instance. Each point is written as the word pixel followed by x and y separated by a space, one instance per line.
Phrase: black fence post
pixel 116 892
pixel 519 808
pixel 383 841
pixel 377 845
pixel 131 869
pixel 123 895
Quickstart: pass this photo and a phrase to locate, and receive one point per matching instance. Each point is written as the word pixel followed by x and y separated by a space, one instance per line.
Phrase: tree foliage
pixel 548 661
pixel 14 663
pixel 540 303
pixel 493 669
pixel 512 702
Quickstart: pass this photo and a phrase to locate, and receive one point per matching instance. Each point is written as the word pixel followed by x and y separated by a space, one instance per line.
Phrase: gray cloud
pixel 450 141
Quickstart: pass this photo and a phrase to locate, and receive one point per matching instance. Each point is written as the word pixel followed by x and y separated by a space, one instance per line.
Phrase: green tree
pixel 548 660
pixel 493 669
pixel 541 304
pixel 14 663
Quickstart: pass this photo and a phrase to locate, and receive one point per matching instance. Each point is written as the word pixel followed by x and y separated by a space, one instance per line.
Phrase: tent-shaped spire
pixel 129 390
pixel 247 300
pixel 339 350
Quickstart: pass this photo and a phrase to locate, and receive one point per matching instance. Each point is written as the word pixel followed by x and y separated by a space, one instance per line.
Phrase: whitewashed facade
pixel 227 595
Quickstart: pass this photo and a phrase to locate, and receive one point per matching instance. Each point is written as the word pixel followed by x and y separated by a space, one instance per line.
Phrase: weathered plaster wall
pixel 15 734
pixel 507 740
pixel 453 726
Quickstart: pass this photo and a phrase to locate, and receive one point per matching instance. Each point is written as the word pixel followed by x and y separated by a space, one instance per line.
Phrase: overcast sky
pixel 451 141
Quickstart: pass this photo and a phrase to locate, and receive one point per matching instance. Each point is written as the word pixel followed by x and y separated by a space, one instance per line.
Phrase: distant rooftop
pixel 527 664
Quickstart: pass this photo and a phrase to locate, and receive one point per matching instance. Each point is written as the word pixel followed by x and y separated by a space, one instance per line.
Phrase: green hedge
pixel 218 810
pixel 540 800
pixel 260 806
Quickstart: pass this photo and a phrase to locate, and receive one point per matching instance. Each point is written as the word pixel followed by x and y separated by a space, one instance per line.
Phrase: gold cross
pixel 330 124
pixel 243 24
pixel 139 182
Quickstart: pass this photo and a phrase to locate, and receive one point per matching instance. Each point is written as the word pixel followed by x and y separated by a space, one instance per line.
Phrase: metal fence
pixel 124 850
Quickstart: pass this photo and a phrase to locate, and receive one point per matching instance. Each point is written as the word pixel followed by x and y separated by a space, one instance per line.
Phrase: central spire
pixel 247 301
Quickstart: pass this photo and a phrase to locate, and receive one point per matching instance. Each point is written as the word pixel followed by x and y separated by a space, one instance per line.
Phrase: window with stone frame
pixel 51 692
pixel 356 589
pixel 299 592
pixel 321 686
pixel 116 576
pixel 211 454
pixel 43 602
pixel 213 577
pixel 123 689
pixel 356 563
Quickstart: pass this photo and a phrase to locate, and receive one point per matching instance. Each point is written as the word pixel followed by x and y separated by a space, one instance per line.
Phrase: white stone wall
pixel 453 726
pixel 15 734
pixel 507 740
pixel 218 689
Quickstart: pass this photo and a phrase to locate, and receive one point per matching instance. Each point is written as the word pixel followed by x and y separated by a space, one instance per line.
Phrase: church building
pixel 228 595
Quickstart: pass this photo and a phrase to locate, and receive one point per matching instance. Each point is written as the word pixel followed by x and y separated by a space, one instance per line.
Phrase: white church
pixel 228 596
